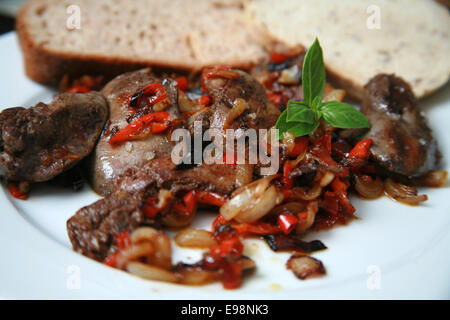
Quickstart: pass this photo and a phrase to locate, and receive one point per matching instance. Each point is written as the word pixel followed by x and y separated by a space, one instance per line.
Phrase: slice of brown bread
pixel 115 36
pixel 411 40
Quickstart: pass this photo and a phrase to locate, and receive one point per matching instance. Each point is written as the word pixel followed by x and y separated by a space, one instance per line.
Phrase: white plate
pixel 392 251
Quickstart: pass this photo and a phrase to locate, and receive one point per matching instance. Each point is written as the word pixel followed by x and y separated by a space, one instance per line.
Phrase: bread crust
pixel 48 67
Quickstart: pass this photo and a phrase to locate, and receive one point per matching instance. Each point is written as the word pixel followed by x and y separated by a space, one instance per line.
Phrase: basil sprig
pixel 302 118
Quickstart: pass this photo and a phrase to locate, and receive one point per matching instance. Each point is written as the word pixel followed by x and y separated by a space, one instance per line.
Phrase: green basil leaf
pixel 316 103
pixel 313 73
pixel 343 115
pixel 299 112
pixel 297 128
pixel 302 129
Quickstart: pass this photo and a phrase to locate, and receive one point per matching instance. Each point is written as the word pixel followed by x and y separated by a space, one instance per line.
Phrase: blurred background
pixel 8 10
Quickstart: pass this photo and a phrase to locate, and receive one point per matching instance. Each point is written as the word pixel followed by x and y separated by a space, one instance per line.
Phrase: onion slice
pixel 150 272
pixel 305 266
pixel 369 188
pixel 403 193
pixel 251 202
pixel 195 238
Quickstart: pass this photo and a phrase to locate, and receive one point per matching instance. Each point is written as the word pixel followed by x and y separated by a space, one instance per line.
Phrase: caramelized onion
pixel 195 238
pixel 251 202
pixel 403 193
pixel 239 106
pixel 307 194
pixel 175 220
pixel 151 272
pixel 186 104
pixel 133 253
pixel 369 188
pixel 163 251
pixel 305 266
pixel 306 223
pixel 433 179
pixel 288 141
pixel 326 179
pixel 290 208
pixel 192 275
pixel 143 234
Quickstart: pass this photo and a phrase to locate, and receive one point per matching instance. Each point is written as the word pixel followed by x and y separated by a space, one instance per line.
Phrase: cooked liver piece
pixel 109 163
pixel 402 140
pixel 38 143
pixel 93 228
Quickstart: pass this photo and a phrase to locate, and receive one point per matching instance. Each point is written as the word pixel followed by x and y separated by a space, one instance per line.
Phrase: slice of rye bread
pixel 413 40
pixel 122 35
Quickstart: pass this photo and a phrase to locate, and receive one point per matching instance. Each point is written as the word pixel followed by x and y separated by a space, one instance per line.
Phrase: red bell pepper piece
pixel 287 222
pixel 208 73
pixel 14 190
pixel 287 168
pixel 149 208
pixel 225 157
pixel 232 275
pixel 330 202
pixel 277 57
pixel 300 146
pixel 275 98
pixel 258 227
pixel 208 197
pixel 338 185
pixel 182 83
pixel 123 241
pixel 78 89
pixel 361 149
pixel 204 100
pixel 155 91
pixel 158 121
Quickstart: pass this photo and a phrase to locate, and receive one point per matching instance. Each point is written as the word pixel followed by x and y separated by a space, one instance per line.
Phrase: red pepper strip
pixel 361 149
pixel 156 92
pixel 287 193
pixel 225 157
pixel 287 168
pixel 322 150
pixel 207 71
pixel 277 57
pixel 212 198
pixel 338 185
pixel 232 275
pixel 275 98
pixel 111 260
pixel 149 208
pixel 258 227
pixel 345 203
pixel 14 190
pixel 204 100
pixel 340 189
pixel 182 83
pixel 330 203
pixel 287 222
pixel 232 246
pixel 78 89
pixel 138 125
pixel 190 202
pixel 300 146
pixel 218 220
pixel 188 206
pixel 123 241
